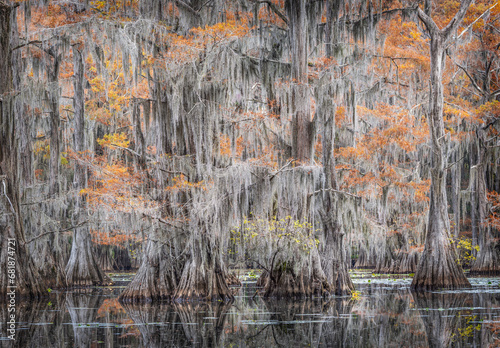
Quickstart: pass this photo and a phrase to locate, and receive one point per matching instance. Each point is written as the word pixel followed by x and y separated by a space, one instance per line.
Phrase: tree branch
pixel 58 231
pixel 336 191
pixel 186 7
pixel 470 78
pixel 429 23
pixel 162 221
pixel 457 19
pixel 478 18
pixel 275 9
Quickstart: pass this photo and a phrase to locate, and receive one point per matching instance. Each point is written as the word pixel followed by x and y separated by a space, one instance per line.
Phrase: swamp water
pixel 383 313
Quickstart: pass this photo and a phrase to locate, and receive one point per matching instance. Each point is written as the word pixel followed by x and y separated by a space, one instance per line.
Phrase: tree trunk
pixel 456 178
pixel 487 260
pixel 204 276
pixel 82 268
pixel 157 277
pixel 189 14
pixel 333 258
pixel 332 12
pixel 302 137
pixel 53 97
pixel 438 266
pixel 287 281
pixel 14 257
pixel 140 144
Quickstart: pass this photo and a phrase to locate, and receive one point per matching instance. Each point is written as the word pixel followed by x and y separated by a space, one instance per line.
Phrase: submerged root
pixel 233 280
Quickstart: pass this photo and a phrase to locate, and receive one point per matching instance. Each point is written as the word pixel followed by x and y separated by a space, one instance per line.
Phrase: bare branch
pixel 337 191
pixel 58 231
pixel 470 78
pixel 275 9
pixel 457 19
pixel 478 18
pixel 186 7
pixel 429 23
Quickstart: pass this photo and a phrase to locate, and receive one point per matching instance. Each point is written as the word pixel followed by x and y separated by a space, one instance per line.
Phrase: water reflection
pixel 386 314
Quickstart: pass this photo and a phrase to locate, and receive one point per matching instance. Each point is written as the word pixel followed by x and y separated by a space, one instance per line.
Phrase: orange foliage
pixel 186 49
pixel 112 306
pixel 494 218
pixel 117 238
pixel 181 184
pixel 114 140
pixel 115 187
pixel 268 17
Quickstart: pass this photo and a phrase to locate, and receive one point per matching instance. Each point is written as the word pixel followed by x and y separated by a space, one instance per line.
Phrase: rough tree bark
pixel 53 270
pixel 140 144
pixel 82 268
pixel 53 97
pixel 159 273
pixel 302 138
pixel 190 16
pixel 332 13
pixel 487 260
pixel 438 267
pixel 204 276
pixel 334 254
pixel 26 276
pixel 285 281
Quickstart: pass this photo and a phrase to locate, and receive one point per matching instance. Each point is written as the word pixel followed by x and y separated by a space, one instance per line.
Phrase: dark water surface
pixel 385 314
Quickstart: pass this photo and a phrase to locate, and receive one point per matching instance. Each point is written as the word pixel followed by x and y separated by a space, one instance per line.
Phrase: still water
pixel 383 314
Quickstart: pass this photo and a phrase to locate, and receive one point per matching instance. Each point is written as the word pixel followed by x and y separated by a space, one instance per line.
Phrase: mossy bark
pixel 334 260
pixel 438 266
pixel 157 277
pixel 82 268
pixel 204 276
pixel 16 258
pixel 487 260
pixel 302 137
pixel 289 278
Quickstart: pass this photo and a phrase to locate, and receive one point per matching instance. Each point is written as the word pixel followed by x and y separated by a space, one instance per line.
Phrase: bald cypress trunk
pixel 438 266
pixel 82 268
pixel 487 260
pixel 13 253
pixel 302 137
pixel 53 96
pixel 334 254
pixel 140 143
pixel 190 13
pixel 159 272
pixel 204 276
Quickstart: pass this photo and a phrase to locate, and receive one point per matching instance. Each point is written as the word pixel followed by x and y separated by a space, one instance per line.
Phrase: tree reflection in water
pixel 381 317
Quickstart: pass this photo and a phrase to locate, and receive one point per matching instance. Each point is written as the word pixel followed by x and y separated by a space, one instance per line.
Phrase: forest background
pixel 186 139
